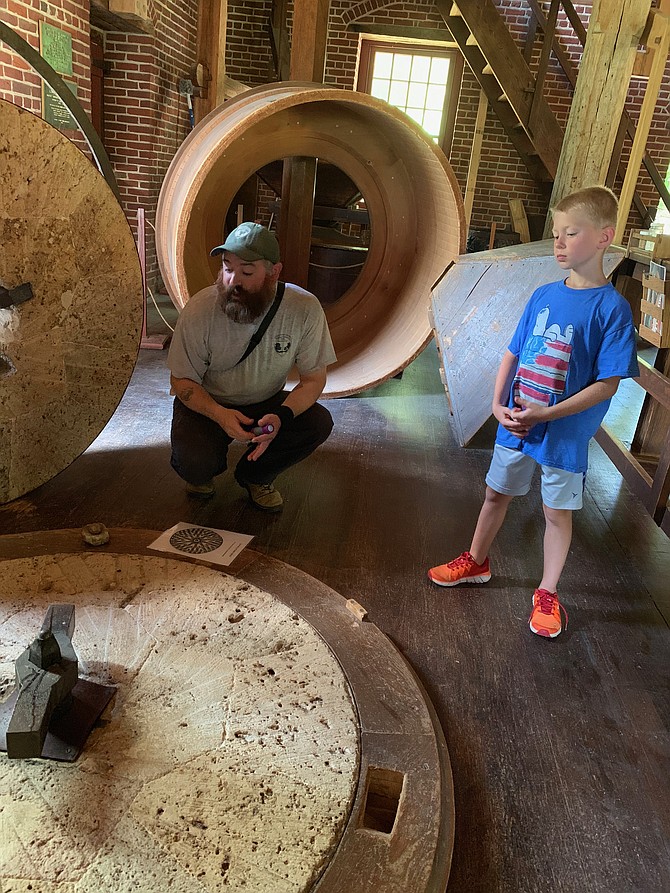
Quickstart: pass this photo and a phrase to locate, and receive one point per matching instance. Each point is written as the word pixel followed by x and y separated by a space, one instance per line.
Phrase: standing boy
pixel 574 343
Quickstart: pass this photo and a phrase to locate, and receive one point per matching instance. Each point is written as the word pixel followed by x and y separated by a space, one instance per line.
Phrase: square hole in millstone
pixel 382 797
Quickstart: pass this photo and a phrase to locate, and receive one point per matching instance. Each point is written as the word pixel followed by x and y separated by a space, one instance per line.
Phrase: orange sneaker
pixel 545 618
pixel 463 569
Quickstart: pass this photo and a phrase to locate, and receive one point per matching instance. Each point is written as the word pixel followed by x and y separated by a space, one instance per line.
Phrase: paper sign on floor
pixel 217 546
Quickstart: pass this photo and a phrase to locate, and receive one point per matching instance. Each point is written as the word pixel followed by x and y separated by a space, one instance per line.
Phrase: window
pixel 422 81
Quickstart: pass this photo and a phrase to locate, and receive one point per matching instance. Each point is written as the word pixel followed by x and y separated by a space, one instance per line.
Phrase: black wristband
pixel 285 414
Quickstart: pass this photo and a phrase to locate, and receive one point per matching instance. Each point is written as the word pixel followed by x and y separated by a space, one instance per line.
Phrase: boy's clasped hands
pixel 520 419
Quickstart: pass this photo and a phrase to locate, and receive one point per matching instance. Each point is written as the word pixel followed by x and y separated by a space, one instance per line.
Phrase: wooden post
pixel 614 31
pixel 295 218
pixel 211 55
pixel 310 34
pixel 659 41
pixel 308 58
pixel 475 156
pixel 519 219
pixel 543 64
pixel 281 50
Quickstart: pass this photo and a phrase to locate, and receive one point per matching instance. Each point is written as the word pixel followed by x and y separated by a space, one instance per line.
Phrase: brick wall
pixel 18 81
pixel 146 118
pixel 501 173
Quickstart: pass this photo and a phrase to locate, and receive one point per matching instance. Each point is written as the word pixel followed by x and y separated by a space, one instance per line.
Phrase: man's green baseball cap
pixel 250 242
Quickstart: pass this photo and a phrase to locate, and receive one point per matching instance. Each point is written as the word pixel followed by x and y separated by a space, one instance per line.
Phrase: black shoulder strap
pixel 258 334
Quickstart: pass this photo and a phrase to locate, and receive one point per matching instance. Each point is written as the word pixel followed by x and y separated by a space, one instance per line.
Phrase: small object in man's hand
pixel 262 429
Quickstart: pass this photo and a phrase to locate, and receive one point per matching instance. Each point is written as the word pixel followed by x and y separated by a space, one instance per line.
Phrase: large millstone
pixel 229 759
pixel 67 353
pixel 262 738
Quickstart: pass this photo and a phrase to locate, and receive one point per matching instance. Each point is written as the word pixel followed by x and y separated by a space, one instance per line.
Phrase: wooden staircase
pixel 515 92
pixel 509 84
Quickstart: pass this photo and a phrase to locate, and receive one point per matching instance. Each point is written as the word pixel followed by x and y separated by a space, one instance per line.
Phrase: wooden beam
pixel 627 125
pixel 295 217
pixel 475 156
pixel 281 49
pixel 211 55
pixel 308 59
pixel 543 65
pixel 614 32
pixel 651 433
pixel 310 34
pixel 659 41
pixel 403 32
pixel 519 219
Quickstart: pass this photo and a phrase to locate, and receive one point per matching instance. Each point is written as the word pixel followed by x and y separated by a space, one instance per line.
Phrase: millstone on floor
pixel 255 742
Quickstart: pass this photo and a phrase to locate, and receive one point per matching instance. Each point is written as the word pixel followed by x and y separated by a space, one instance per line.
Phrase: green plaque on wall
pixel 54 110
pixel 56 48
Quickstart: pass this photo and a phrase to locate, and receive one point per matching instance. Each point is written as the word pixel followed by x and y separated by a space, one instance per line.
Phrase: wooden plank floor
pixel 560 749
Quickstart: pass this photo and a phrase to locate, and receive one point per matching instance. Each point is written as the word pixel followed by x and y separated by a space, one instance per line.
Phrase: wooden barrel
pixel 416 212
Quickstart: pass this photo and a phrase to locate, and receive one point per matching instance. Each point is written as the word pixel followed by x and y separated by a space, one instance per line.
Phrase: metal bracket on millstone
pixel 52 711
pixel 17 295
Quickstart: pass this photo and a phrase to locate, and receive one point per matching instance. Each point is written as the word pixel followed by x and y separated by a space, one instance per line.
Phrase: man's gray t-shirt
pixel 207 345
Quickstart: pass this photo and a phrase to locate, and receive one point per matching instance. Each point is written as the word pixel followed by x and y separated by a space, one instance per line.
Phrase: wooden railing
pixel 653 490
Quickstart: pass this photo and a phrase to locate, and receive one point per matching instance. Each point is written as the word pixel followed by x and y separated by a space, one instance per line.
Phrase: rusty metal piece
pixel 46 673
pixel 16 295
pixel 52 711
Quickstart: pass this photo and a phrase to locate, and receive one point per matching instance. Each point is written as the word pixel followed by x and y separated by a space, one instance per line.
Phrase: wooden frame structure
pixel 653 490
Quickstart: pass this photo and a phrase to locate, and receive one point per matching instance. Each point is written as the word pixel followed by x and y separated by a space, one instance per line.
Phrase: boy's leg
pixel 489 522
pixel 561 495
pixel 509 475
pixel 557 538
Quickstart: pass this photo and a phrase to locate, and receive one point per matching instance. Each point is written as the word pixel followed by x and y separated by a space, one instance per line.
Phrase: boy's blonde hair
pixel 598 204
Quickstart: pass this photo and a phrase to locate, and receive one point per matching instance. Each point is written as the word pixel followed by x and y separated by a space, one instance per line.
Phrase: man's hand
pixel 233 423
pixel 263 441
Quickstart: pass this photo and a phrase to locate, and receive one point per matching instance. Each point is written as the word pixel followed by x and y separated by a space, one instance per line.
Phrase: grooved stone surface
pixel 228 760
pixel 67 353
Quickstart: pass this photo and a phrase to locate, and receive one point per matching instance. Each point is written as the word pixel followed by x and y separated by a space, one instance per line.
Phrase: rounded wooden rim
pixel 416 212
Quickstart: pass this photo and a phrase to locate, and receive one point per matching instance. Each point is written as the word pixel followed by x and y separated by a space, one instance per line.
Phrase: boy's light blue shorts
pixel 511 473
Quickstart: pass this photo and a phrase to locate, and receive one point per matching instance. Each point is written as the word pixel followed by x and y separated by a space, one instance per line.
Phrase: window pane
pixel 380 88
pixel 416 95
pixel 420 68
pixel 416 115
pixel 383 65
pixel 435 97
pixel 414 83
pixel 398 94
pixel 432 121
pixel 439 71
pixel 401 67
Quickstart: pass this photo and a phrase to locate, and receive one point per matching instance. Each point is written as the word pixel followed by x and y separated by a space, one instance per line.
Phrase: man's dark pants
pixel 200 446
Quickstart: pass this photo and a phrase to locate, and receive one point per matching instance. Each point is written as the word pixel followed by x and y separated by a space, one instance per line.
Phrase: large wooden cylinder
pixel 416 212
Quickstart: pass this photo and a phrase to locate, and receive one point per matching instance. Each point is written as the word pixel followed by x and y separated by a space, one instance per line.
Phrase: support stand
pixel 150 342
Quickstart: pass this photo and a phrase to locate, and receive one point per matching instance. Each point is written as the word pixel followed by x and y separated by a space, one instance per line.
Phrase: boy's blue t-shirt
pixel 566 339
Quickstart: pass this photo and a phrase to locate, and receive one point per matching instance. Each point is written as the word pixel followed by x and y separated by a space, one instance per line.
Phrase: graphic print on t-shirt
pixel 544 362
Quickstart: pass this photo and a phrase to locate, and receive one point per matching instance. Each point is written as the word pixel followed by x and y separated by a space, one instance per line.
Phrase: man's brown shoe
pixel 263 496
pixel 201 491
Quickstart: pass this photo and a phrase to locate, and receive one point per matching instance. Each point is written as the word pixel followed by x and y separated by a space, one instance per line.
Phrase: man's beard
pixel 244 306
